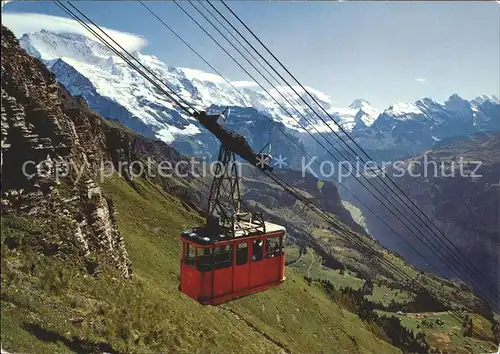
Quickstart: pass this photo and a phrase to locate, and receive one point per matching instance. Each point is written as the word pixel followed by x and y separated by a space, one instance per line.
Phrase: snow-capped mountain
pixel 408 128
pixel 87 68
pixel 113 78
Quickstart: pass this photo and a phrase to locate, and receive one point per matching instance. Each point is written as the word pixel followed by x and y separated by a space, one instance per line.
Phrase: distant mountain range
pixel 114 90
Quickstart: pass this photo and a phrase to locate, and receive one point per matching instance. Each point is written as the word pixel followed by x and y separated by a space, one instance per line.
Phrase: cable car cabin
pixel 215 271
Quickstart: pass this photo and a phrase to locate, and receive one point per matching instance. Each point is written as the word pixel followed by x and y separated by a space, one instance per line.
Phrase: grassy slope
pixel 449 336
pixel 311 265
pixel 446 290
pixel 383 295
pixel 67 310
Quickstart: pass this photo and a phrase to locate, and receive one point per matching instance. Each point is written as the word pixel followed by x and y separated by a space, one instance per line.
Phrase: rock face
pixel 52 146
pixel 464 204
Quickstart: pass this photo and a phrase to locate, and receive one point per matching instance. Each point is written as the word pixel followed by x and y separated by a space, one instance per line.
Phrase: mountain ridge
pixel 152 114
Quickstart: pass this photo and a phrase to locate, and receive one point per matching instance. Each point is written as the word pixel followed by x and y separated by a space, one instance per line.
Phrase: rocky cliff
pixel 456 185
pixel 51 151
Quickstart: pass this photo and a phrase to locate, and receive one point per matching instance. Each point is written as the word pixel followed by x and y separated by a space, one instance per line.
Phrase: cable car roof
pixel 241 229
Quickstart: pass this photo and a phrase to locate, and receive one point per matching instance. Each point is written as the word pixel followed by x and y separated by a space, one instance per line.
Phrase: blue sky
pixel 383 52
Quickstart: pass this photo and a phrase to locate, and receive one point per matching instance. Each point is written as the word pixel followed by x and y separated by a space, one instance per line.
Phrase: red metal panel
pixel 272 270
pixel 223 281
pixel 206 283
pixel 235 295
pixel 282 266
pixel 282 259
pixel 190 281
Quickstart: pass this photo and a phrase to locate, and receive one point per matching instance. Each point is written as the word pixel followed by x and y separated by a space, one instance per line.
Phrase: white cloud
pixel 20 23
pixel 420 79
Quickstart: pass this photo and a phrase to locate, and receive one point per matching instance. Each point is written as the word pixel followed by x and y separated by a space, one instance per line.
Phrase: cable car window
pixel 272 247
pixel 204 259
pixel 257 250
pixel 242 253
pixel 189 256
pixel 223 256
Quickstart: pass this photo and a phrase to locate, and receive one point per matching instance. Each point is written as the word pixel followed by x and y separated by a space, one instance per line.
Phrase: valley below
pixel 464 206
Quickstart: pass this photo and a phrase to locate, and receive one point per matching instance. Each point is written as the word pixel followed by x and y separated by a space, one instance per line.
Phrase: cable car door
pixel 241 278
pixel 223 273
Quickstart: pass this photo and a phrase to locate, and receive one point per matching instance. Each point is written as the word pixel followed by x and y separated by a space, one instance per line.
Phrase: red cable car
pixel 236 253
pixel 213 272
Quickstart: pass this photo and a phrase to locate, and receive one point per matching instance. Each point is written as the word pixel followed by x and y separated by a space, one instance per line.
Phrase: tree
pixel 468 327
pixel 367 287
